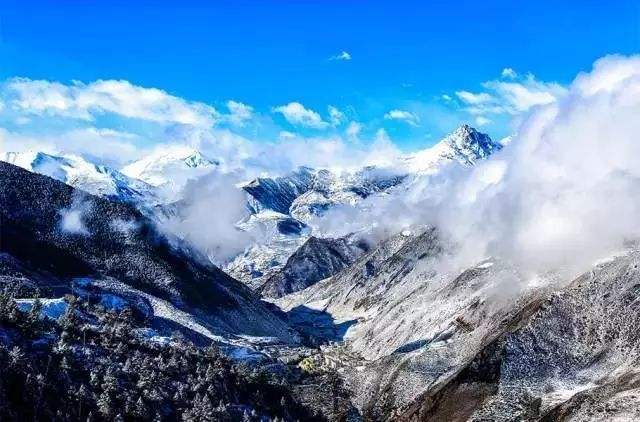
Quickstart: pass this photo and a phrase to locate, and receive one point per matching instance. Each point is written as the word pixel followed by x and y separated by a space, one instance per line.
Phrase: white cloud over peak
pixel 108 145
pixel 402 115
pixel 344 55
pixel 563 194
pixel 296 114
pixel 86 101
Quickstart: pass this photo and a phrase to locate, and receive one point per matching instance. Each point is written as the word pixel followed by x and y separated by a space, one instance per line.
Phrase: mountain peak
pixel 465 145
pixel 164 164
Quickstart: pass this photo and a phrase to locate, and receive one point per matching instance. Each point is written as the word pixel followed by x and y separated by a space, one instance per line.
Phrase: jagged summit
pixel 471 145
pixel 465 145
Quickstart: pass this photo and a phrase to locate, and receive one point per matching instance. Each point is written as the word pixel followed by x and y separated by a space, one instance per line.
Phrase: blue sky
pixel 410 57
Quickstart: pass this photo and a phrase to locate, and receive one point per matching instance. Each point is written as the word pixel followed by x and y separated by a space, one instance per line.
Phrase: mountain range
pixel 368 325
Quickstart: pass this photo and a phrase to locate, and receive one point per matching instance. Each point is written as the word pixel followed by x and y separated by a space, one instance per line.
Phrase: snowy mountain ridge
pixel 80 173
pixel 170 165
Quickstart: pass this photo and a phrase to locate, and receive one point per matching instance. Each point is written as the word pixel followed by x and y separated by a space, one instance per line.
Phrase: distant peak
pixel 469 145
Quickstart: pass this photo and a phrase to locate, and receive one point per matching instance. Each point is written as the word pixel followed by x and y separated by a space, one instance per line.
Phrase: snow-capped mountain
pixel 305 195
pixel 308 192
pixel 80 173
pixel 170 166
pixel 465 145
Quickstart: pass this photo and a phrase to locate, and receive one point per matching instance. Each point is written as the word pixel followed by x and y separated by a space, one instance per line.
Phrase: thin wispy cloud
pixel 296 114
pixel 482 121
pixel 471 98
pixel 343 56
pixel 336 116
pixel 353 130
pixel 239 113
pixel 403 115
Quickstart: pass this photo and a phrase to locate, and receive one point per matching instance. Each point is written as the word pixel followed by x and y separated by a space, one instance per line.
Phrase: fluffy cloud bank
pixel 296 114
pixel 510 96
pixel 214 194
pixel 85 101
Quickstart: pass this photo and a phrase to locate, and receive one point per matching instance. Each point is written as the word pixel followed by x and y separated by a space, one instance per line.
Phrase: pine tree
pixel 105 405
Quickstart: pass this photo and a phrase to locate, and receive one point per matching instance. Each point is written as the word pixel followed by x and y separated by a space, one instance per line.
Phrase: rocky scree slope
pixel 482 343
pixel 577 357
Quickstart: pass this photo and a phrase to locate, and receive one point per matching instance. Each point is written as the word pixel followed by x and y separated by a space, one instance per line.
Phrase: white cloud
pixel 403 115
pixel 509 73
pixel 286 135
pixel 446 97
pixel 521 96
pixel 109 145
pixel 217 237
pixel 239 113
pixel 342 56
pixel 481 121
pixel 72 218
pixel 353 130
pixel 335 116
pixel 296 114
pixel 510 98
pixel 86 101
pixel 471 98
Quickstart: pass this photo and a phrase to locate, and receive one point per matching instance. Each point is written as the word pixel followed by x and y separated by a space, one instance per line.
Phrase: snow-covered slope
pixel 427 341
pixel 573 356
pixel 170 166
pixel 278 193
pixel 80 173
pixel 411 322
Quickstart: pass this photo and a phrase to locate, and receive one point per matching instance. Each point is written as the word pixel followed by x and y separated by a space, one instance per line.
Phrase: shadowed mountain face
pixel 279 193
pixel 52 228
pixel 315 260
